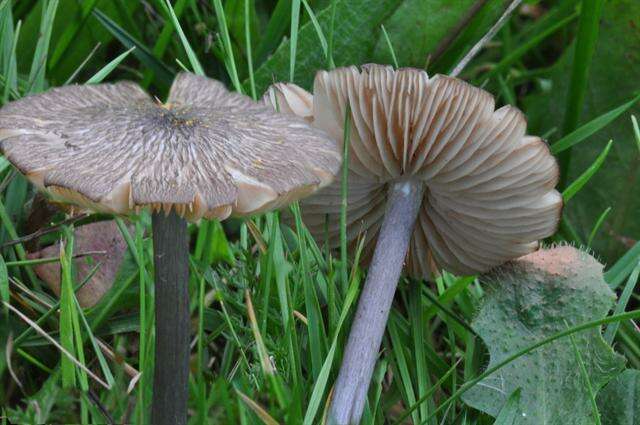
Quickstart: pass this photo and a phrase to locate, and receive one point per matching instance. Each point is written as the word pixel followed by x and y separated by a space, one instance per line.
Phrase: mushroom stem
pixel 171 371
pixel 368 326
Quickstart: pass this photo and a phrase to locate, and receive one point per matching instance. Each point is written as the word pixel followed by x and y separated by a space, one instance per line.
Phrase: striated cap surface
pixel 207 152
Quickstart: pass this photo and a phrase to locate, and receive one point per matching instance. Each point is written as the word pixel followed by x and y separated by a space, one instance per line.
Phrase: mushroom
pixel 207 153
pixel 436 176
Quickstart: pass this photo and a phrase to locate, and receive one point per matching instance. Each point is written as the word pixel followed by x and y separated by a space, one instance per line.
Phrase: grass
pixel 271 306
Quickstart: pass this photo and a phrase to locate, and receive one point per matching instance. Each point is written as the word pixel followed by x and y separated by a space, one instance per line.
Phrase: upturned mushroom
pixel 437 175
pixel 207 152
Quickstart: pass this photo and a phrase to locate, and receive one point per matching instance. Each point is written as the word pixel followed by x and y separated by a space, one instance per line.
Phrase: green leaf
pixel 619 401
pixel 529 300
pixel 577 185
pixel 425 23
pixel 357 27
pixel 618 182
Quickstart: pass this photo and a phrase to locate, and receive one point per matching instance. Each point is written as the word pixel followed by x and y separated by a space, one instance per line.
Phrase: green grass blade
pixel 13 234
pixel 247 40
pixel 226 43
pixel 276 27
pixel 67 308
pixel 331 64
pixel 317 27
pixel 636 130
pixel 622 303
pixel 390 46
pixel 11 68
pixel 575 187
pixel 323 377
pixel 4 284
pixel 108 68
pixel 162 71
pixel 623 267
pixel 193 59
pixel 586 39
pixel 293 46
pixel 527 46
pixel 39 63
pixel 72 28
pixel 80 67
pixel 591 127
pixel 585 377
pixel 597 226
pixel 164 38
pixel 344 193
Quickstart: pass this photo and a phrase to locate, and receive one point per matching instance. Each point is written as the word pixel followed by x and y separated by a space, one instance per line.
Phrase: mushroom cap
pixel 489 188
pixel 207 152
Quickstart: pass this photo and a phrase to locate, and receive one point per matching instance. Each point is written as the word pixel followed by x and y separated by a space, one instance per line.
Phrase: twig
pixel 487 37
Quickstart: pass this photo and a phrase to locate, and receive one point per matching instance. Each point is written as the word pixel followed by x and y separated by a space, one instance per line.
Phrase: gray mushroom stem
pixel 171 372
pixel 370 320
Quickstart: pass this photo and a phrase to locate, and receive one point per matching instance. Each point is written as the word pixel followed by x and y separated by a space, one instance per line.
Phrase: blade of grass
pixel 527 46
pixel 390 46
pixel 330 62
pixel 585 377
pixel 323 377
pixel 314 314
pixel 66 312
pixel 45 335
pixel 19 249
pixel 108 68
pixel 586 38
pixel 317 27
pixel 72 27
pixel 4 285
pixel 597 226
pixel 257 409
pixel 162 71
pixel 193 59
pixel 38 65
pixel 293 46
pixel 591 127
pixel 265 361
pixel 575 187
pixel 247 40
pixel 344 273
pixel 11 68
pixel 623 267
pixel 54 307
pixel 622 303
pixel 229 60
pixel 636 130
pixel 164 38
pixel 79 68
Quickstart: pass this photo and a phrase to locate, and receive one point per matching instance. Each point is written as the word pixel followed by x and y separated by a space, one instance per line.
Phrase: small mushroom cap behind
pixel 207 152
pixel 489 188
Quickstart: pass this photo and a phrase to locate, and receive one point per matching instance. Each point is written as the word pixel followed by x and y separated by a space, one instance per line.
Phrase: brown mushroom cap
pixel 489 187
pixel 207 152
